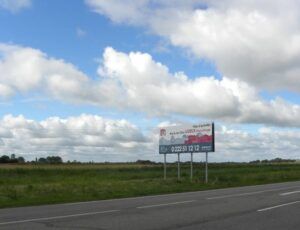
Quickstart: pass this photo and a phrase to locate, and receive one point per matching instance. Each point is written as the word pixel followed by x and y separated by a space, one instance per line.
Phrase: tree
pixel 4 159
pixel 21 160
pixel 54 160
pixel 42 160
pixel 255 162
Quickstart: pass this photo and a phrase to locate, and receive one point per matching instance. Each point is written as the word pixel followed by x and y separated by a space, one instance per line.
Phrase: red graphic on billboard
pixel 195 139
pixel 163 132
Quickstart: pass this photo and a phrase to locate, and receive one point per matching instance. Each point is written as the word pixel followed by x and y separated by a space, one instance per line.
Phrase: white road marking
pixel 289 193
pixel 57 217
pixel 278 206
pixel 248 193
pixel 177 194
pixel 166 204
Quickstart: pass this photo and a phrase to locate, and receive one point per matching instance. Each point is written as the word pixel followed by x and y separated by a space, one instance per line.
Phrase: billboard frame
pixel 191 162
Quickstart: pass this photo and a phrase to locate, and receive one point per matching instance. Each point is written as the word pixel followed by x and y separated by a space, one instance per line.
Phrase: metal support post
pixel 191 166
pixel 165 166
pixel 206 168
pixel 178 166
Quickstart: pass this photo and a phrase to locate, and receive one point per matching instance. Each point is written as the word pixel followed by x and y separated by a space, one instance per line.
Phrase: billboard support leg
pixel 178 173
pixel 165 166
pixel 191 166
pixel 206 168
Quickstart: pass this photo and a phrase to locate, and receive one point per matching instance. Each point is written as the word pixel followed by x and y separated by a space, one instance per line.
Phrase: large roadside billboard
pixel 187 139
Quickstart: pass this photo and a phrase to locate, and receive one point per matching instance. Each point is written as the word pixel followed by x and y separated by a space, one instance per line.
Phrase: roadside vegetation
pixel 44 183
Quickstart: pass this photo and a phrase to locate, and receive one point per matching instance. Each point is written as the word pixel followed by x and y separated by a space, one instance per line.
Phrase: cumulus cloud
pixel 136 82
pixel 119 11
pixel 23 69
pixel 83 136
pixel 14 5
pixel 5 91
pixel 257 42
pixel 149 86
pixel 91 137
pixel 267 143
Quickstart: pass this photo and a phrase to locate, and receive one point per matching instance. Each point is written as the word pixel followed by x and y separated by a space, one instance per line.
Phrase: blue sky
pixel 51 26
pixel 214 61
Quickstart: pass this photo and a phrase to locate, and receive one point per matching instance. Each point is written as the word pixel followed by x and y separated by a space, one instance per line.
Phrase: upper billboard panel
pixel 187 139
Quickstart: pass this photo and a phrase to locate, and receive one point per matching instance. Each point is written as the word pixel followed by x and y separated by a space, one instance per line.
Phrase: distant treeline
pixel 47 160
pixel 11 159
pixel 58 160
pixel 276 160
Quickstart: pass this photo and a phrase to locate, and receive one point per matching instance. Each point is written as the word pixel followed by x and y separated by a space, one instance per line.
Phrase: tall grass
pixel 47 184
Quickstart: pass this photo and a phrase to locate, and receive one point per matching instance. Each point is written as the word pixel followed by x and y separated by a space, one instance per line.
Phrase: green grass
pixel 22 185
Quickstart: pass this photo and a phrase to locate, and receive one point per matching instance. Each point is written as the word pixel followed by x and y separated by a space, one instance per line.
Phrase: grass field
pixel 22 185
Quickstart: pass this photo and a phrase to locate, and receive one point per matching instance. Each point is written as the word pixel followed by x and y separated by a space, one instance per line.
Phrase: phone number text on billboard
pixel 191 148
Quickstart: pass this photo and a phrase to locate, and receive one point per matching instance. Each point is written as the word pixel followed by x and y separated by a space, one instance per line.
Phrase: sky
pixel 95 80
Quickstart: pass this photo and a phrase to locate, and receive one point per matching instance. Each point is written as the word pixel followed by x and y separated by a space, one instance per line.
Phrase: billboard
pixel 187 139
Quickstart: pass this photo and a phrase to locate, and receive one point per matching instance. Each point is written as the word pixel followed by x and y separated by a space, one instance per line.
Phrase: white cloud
pixel 268 143
pixel 15 5
pixel 149 86
pixel 36 71
pixel 84 135
pixel 136 82
pixel 255 41
pixel 120 11
pixel 5 91
pixel 91 137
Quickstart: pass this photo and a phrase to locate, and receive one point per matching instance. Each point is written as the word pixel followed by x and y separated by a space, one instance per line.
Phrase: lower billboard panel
pixel 192 148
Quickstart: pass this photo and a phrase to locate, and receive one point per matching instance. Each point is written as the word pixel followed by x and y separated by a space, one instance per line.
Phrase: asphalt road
pixel 273 206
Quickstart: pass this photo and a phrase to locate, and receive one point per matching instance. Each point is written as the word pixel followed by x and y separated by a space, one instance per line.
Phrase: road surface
pixel 273 206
